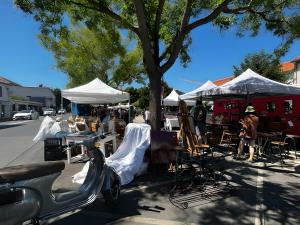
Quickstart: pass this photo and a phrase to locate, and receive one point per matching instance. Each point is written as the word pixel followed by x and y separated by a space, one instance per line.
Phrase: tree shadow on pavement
pixel 281 201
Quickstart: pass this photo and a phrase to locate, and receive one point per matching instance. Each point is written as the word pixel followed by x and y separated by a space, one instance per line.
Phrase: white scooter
pixel 26 191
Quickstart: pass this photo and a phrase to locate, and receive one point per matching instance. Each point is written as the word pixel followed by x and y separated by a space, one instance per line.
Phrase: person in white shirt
pixel 147 116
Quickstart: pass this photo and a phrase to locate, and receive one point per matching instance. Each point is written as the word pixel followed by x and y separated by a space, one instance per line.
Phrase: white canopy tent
pixel 251 83
pixel 95 92
pixel 197 92
pixel 173 98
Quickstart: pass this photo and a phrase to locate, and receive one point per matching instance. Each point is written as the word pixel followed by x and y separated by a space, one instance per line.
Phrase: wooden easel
pixel 187 131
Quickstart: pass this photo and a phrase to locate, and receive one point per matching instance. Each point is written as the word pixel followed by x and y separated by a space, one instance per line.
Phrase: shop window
pixel 271 107
pixel 288 106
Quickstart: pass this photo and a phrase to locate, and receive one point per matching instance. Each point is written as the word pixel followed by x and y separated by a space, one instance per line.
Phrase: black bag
pixel 53 149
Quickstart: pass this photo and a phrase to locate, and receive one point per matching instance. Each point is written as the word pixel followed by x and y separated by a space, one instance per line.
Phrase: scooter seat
pixel 24 172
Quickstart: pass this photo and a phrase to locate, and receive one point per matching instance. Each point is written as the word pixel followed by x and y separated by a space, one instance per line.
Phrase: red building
pixel 276 113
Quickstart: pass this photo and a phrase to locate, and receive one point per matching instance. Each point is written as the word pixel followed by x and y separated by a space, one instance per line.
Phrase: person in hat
pixel 248 132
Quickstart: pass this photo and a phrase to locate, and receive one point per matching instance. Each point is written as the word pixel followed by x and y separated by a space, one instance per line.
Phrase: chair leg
pixel 295 148
pixel 280 152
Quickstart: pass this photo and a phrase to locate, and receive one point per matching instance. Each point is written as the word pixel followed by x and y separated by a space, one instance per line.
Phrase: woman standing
pixel 249 132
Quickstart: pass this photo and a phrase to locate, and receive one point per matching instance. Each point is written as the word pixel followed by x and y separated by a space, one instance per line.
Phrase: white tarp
pixel 173 98
pixel 95 92
pixel 197 92
pixel 128 159
pixel 251 83
pixel 50 128
pixel 45 129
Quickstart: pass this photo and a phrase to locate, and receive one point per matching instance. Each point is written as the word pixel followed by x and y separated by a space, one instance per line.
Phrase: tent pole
pixel 129 111
pixel 61 102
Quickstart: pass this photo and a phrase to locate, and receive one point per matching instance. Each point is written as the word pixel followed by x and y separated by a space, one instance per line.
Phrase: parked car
pixel 29 114
pixel 49 112
pixel 61 111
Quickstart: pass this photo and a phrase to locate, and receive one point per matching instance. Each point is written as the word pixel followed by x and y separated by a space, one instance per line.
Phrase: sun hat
pixel 250 109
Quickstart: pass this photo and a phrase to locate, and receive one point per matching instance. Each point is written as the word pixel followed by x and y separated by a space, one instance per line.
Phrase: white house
pixel 292 68
pixel 14 97
pixel 42 95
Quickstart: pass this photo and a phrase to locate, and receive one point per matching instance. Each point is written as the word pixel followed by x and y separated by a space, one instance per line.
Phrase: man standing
pixel 147 116
pixel 198 112
pixel 248 132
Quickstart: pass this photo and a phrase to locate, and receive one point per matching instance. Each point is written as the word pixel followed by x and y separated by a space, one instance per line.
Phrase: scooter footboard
pixel 18 205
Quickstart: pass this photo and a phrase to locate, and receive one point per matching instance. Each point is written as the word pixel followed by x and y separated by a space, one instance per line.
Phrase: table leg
pixel 82 150
pixel 114 142
pixel 102 149
pixel 69 155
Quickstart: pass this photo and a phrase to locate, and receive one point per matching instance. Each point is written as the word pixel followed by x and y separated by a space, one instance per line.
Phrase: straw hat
pixel 250 109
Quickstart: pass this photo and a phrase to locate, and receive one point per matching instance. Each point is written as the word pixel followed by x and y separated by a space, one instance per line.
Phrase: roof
pixel 31 91
pixel 297 59
pixel 223 80
pixel 8 82
pixel 287 67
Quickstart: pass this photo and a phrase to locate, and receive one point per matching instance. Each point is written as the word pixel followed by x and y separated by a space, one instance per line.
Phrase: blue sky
pixel 25 61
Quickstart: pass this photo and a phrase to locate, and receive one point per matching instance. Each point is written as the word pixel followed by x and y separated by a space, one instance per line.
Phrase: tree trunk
pixel 155 99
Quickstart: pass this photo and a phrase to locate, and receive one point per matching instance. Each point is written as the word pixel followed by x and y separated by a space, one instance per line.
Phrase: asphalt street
pixel 16 140
pixel 264 192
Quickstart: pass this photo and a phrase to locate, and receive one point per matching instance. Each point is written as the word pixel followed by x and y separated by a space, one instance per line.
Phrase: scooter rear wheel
pixel 111 195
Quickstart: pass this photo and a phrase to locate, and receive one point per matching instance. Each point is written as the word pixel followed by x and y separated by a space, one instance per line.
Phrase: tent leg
pixel 129 111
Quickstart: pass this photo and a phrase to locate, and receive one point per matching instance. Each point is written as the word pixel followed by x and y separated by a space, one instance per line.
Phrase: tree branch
pixel 176 45
pixel 244 9
pixel 144 35
pixel 214 14
pixel 156 30
pixel 97 6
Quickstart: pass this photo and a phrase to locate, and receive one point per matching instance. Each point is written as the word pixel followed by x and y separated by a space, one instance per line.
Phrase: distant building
pixel 292 69
pixel 42 95
pixel 5 104
pixel 14 97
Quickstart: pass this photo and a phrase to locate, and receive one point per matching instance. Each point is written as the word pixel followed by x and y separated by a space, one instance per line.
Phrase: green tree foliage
pixel 167 88
pixel 267 65
pixel 84 54
pixel 162 28
pixel 57 94
pixel 140 96
pixel 134 94
pixel 130 68
pixel 143 101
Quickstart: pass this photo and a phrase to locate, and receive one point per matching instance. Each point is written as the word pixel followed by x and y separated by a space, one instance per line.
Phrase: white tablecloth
pixel 171 123
pixel 128 159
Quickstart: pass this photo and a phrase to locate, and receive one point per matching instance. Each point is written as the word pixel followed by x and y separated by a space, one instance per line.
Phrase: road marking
pixel 259 209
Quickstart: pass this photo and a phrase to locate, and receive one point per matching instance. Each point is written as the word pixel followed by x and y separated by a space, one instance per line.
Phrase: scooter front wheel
pixel 111 195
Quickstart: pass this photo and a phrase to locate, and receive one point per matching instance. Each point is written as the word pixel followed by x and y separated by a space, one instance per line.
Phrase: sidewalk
pixel 265 193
